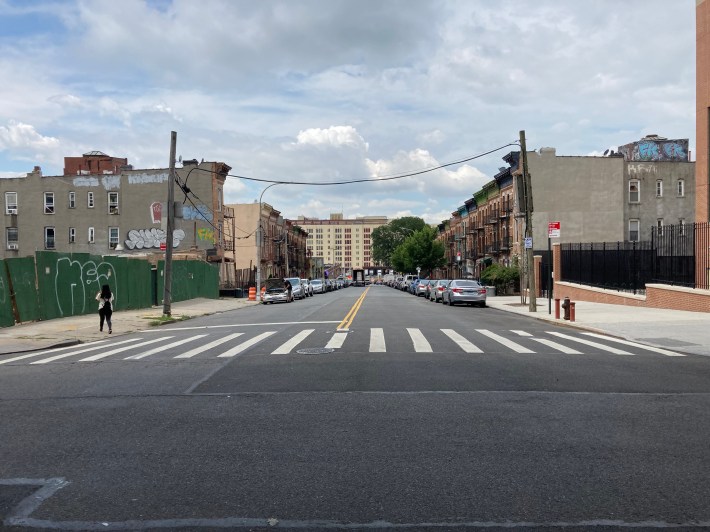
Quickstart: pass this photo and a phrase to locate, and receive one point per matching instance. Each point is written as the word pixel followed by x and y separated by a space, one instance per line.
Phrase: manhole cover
pixel 315 351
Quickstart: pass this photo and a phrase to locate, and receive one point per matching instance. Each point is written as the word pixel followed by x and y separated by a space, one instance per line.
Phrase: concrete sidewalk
pixel 686 332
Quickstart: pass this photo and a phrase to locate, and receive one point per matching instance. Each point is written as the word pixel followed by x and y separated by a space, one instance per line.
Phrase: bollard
pixel 565 306
pixel 252 293
pixel 571 311
pixel 557 308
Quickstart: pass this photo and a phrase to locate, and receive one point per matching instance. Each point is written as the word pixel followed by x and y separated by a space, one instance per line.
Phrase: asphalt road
pixel 396 412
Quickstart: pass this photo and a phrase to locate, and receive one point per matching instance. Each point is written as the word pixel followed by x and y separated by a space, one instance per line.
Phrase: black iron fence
pixel 676 255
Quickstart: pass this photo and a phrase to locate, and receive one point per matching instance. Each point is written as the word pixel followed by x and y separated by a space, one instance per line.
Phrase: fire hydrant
pixel 566 307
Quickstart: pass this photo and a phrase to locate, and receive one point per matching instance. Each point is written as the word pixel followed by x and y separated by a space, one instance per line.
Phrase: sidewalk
pixel 685 332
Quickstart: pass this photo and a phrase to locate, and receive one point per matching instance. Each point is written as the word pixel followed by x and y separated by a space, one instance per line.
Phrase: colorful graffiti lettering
pixel 73 279
pixel 656 150
pixel 198 212
pixel 151 238
pixel 205 234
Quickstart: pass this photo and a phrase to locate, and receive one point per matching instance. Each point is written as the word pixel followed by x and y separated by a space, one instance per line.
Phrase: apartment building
pixel 282 252
pixel 342 244
pixel 105 206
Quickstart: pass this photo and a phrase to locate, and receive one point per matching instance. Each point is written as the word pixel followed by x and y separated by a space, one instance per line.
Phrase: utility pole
pixel 288 271
pixel 167 286
pixel 530 258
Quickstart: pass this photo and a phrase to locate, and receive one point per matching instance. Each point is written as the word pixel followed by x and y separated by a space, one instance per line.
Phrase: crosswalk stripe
pixel 203 348
pixel 520 333
pixel 589 342
pixel 94 358
pixel 501 340
pixel 42 353
pixel 93 347
pixel 559 347
pixel 286 347
pixel 377 341
pixel 420 343
pixel 337 340
pixel 464 344
pixel 635 344
pixel 164 347
pixel 245 345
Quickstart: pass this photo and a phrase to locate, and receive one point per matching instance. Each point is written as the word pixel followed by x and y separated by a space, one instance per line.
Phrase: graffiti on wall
pixel 75 281
pixel 151 238
pixel 197 212
pixel 205 234
pixel 656 150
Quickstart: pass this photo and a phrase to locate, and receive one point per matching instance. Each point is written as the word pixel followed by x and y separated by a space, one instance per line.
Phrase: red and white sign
pixel 156 212
pixel 163 246
pixel 553 230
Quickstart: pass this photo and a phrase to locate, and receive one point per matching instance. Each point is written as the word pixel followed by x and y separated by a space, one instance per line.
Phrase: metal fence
pixel 676 255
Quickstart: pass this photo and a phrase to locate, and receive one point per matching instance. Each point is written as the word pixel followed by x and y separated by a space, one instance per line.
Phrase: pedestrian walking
pixel 105 299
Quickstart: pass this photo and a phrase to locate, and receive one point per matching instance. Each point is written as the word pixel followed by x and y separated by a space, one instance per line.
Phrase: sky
pixel 323 91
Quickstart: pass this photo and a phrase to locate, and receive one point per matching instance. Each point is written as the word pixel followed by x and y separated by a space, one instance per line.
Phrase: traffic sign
pixel 553 230
pixel 163 246
pixel 528 242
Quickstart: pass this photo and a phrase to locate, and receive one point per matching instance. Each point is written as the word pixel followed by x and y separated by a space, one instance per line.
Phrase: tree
pixel 420 250
pixel 386 238
pixel 500 276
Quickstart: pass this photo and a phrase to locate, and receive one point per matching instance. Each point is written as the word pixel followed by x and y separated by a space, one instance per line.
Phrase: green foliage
pixel 502 277
pixel 386 238
pixel 420 250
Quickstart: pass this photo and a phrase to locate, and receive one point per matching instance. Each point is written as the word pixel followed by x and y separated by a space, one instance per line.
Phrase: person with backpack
pixel 105 299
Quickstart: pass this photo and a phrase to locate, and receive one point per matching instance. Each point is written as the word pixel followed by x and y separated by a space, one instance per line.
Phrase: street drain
pixel 315 351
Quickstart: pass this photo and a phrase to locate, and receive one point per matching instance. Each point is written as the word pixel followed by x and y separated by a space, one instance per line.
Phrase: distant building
pixel 104 206
pixel 342 244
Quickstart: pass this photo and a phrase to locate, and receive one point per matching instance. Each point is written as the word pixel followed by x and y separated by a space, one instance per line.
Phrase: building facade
pixel 283 251
pixel 702 122
pixel 615 198
pixel 117 209
pixel 342 244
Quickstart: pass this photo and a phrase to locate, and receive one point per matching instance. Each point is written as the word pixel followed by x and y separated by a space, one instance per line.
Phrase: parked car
pixel 275 292
pixel 464 291
pixel 407 282
pixel 297 290
pixel 318 286
pixel 437 290
pixel 420 287
pixel 308 289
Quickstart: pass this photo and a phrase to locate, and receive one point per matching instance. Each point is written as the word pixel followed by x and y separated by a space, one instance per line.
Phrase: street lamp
pixel 259 239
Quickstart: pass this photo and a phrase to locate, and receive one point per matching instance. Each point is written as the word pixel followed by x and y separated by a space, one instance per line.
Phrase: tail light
pixel 482 291
pixel 457 290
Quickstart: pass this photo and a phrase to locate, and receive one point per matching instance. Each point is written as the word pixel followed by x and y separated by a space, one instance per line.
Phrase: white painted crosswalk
pixel 375 340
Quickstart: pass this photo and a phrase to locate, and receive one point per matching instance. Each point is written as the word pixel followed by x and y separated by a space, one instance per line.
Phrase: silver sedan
pixel 464 291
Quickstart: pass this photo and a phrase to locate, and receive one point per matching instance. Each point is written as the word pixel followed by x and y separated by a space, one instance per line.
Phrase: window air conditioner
pixel 13 246
pixel 12 211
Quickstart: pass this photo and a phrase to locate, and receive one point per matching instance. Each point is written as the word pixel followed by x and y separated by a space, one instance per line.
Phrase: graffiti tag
pixel 151 238
pixel 74 278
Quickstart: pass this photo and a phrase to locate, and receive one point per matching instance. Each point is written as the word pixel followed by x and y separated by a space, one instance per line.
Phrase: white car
pixel 307 287
pixel 318 286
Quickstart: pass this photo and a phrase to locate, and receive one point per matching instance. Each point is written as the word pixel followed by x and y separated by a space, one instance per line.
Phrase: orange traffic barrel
pixel 252 293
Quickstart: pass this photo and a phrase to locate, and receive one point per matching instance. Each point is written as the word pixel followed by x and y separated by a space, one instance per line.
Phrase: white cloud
pixel 26 143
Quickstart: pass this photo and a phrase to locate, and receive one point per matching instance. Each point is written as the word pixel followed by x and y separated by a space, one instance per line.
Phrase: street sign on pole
pixel 553 230
pixel 528 242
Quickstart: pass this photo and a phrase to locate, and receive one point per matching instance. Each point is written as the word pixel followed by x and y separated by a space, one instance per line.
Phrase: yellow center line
pixel 345 324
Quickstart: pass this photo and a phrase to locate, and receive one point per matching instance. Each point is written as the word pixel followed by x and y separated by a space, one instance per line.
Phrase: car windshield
pixel 294 281
pixel 468 284
pixel 316 281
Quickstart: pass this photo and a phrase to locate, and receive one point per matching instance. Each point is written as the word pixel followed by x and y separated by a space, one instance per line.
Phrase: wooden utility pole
pixel 530 258
pixel 168 280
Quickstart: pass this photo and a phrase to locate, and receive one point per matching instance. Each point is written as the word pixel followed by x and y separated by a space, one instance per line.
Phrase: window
pixel 49 238
pixel 92 235
pixel 633 230
pixel 634 191
pixel 90 200
pixel 219 199
pixel 220 230
pixel 113 237
pixel 659 188
pixel 10 202
pixel 72 200
pixel 12 238
pixel 49 203
pixel 72 235
pixel 659 226
pixel 680 188
pixel 113 202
